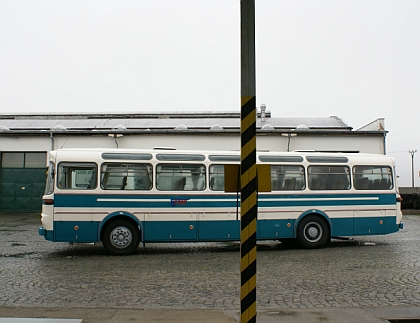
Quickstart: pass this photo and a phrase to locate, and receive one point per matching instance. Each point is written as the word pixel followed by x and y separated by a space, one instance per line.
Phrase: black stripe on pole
pixel 247 245
pixel 249 300
pixel 248 190
pixel 249 133
pixel 247 163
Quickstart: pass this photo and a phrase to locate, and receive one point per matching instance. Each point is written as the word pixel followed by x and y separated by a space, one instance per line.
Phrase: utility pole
pixel 248 171
pixel 412 152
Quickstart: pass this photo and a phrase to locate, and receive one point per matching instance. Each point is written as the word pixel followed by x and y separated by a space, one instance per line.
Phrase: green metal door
pixel 21 189
pixel 22 181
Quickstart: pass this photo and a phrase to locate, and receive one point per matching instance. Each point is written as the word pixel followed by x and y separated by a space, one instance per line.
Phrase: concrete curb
pixel 106 315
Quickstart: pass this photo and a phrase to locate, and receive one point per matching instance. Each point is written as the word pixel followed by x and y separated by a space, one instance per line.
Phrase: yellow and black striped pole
pixel 248 165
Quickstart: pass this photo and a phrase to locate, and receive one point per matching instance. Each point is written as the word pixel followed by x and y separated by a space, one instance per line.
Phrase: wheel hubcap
pixel 121 237
pixel 313 232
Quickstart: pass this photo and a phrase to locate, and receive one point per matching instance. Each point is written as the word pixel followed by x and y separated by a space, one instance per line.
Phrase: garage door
pixel 22 181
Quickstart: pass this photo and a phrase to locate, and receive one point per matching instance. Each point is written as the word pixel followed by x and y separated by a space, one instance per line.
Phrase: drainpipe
pixel 52 140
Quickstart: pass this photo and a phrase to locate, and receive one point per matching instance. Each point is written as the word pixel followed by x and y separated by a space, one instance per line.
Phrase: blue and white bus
pixel 123 197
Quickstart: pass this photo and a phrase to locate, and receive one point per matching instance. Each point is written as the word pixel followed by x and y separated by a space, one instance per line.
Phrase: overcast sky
pixel 357 59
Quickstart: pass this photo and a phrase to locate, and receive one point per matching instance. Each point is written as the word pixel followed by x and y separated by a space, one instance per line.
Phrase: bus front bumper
pixel 42 231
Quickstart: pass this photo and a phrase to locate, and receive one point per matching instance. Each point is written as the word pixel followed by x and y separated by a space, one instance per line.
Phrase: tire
pixel 121 237
pixel 313 232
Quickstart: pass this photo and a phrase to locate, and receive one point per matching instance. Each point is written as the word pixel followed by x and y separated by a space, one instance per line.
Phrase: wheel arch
pixel 120 215
pixel 315 212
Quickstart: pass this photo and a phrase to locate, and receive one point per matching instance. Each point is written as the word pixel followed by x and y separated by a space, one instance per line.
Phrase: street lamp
pixel 412 152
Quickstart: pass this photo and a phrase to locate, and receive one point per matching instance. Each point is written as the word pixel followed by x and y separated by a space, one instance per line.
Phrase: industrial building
pixel 26 139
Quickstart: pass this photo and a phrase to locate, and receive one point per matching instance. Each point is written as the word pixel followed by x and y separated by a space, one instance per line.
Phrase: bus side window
pixel 81 176
pixel 287 178
pixel 217 177
pixel 126 176
pixel 180 177
pixel 372 178
pixel 325 177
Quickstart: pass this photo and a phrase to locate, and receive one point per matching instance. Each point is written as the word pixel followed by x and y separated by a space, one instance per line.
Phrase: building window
pixel 24 160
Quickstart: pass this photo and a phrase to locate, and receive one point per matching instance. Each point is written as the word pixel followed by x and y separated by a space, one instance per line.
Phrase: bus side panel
pixel 275 229
pixel 341 227
pixel 161 231
pixel 369 222
pixel 375 222
pixel 379 217
pixel 76 231
pixel 391 224
pixel 219 230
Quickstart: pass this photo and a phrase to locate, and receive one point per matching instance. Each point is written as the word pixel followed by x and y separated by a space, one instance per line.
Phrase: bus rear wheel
pixel 313 232
pixel 121 237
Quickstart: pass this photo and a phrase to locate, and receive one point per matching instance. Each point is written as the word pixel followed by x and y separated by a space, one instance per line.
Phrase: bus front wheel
pixel 121 237
pixel 313 232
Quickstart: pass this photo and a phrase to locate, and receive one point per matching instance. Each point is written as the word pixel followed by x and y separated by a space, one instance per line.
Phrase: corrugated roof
pixel 159 121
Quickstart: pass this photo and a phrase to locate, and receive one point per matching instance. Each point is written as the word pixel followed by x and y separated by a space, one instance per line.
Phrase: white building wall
pixel 11 144
pixel 370 145
pixel 84 142
pixel 374 145
pixel 193 142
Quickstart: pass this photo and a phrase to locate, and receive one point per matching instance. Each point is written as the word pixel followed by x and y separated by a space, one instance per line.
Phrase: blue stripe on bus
pixel 218 201
pixel 166 231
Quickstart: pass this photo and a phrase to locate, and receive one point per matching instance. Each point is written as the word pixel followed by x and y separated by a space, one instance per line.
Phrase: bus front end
pixel 47 214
